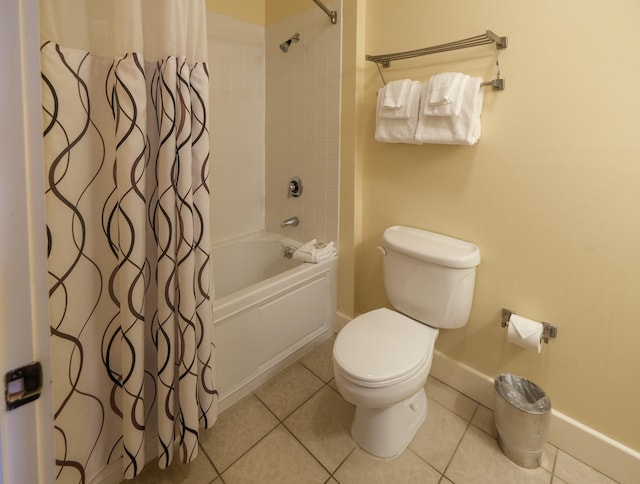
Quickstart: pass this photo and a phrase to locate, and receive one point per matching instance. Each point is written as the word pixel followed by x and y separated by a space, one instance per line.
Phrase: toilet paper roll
pixel 525 332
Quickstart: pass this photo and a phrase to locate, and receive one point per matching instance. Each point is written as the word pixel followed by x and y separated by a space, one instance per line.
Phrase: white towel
pixel 315 252
pixel 463 129
pixel 396 93
pixel 445 94
pixel 398 130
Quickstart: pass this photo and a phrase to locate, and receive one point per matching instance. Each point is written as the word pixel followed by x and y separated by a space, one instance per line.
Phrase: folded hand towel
pixel 462 129
pixel 396 93
pixel 315 252
pixel 398 129
pixel 445 94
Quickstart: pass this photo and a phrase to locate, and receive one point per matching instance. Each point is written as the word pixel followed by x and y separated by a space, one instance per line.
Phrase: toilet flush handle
pixel 382 250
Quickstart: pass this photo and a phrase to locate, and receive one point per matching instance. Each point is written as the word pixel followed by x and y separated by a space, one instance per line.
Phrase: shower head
pixel 284 47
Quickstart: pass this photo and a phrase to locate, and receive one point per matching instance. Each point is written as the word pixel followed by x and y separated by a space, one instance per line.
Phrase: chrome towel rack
pixel 488 37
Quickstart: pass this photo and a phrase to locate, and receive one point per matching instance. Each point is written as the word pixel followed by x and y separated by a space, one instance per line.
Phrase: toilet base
pixel 386 431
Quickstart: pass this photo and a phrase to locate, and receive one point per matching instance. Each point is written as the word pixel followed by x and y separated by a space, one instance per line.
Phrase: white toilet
pixel 382 358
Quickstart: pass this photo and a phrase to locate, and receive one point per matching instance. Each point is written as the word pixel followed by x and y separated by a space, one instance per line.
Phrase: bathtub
pixel 268 310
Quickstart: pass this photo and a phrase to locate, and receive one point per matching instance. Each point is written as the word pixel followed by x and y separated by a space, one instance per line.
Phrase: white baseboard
pixel 340 320
pixel 593 448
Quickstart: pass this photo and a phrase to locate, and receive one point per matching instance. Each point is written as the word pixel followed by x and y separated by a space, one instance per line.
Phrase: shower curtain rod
pixel 333 15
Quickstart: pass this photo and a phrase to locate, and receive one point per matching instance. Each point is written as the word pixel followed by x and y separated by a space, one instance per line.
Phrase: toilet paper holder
pixel 549 330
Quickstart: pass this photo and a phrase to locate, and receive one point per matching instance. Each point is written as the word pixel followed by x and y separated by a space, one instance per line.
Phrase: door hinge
pixel 22 385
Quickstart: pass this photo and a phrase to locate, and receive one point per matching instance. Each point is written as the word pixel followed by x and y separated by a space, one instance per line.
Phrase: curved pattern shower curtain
pixel 125 114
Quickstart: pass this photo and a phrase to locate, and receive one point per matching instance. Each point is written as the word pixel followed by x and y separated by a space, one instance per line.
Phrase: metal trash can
pixel 522 413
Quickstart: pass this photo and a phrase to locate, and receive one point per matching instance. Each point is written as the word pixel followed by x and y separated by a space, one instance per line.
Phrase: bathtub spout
pixel 293 221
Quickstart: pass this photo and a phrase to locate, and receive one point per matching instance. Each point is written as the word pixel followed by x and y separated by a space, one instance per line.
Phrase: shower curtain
pixel 125 114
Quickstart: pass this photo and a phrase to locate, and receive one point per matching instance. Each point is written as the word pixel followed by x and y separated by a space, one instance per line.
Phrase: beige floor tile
pixel 478 460
pixel 572 471
pixel 438 437
pixel 407 468
pixel 320 360
pixel 200 471
pixel 557 480
pixel 450 398
pixel 288 390
pixel 549 454
pixel 333 385
pixel 323 425
pixel 279 459
pixel 484 420
pixel 236 431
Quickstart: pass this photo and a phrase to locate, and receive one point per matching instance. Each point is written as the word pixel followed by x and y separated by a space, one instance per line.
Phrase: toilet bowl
pixel 381 364
pixel 382 358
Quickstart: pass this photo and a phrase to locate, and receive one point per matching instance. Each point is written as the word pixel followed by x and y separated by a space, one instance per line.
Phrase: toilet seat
pixel 383 347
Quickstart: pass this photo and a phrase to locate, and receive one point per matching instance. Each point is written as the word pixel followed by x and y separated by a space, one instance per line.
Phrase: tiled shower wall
pixel 303 123
pixel 273 116
pixel 237 100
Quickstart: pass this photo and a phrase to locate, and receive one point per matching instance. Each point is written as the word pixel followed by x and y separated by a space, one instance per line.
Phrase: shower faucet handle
pixel 295 187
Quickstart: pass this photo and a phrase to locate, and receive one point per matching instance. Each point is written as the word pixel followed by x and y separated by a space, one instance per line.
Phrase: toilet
pixel 381 359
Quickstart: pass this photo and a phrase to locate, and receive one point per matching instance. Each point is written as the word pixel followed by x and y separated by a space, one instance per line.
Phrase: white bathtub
pixel 267 311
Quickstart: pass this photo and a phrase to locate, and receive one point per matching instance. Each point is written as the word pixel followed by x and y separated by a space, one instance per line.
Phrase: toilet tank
pixel 428 276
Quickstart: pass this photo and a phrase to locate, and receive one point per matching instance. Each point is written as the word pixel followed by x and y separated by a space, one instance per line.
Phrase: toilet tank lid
pixel 431 247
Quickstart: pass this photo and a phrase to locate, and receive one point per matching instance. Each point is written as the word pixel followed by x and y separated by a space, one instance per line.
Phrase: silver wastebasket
pixel 522 413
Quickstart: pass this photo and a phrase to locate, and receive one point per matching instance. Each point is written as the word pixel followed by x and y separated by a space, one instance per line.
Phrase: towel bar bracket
pixel 501 42
pixel 496 84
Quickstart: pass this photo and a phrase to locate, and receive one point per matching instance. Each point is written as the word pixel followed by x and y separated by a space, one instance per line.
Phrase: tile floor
pixel 295 429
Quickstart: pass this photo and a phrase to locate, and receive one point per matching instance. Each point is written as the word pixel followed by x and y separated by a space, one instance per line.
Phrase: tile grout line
pixel 309 451
pixel 326 384
pixel 408 449
pixel 215 468
pixel 583 463
pixel 459 442
pixel 343 461
pixel 249 450
pixel 282 422
pixel 296 408
pixel 310 369
pixel 255 444
pixel 555 461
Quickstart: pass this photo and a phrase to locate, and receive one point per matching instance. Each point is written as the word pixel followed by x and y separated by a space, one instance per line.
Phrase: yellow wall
pixel 550 194
pixel 260 12
pixel 252 11
pixel 278 10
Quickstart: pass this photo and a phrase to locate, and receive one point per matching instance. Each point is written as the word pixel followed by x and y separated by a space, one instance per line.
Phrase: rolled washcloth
pixel 463 129
pixel 395 98
pixel 444 94
pixel 315 252
pixel 398 125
